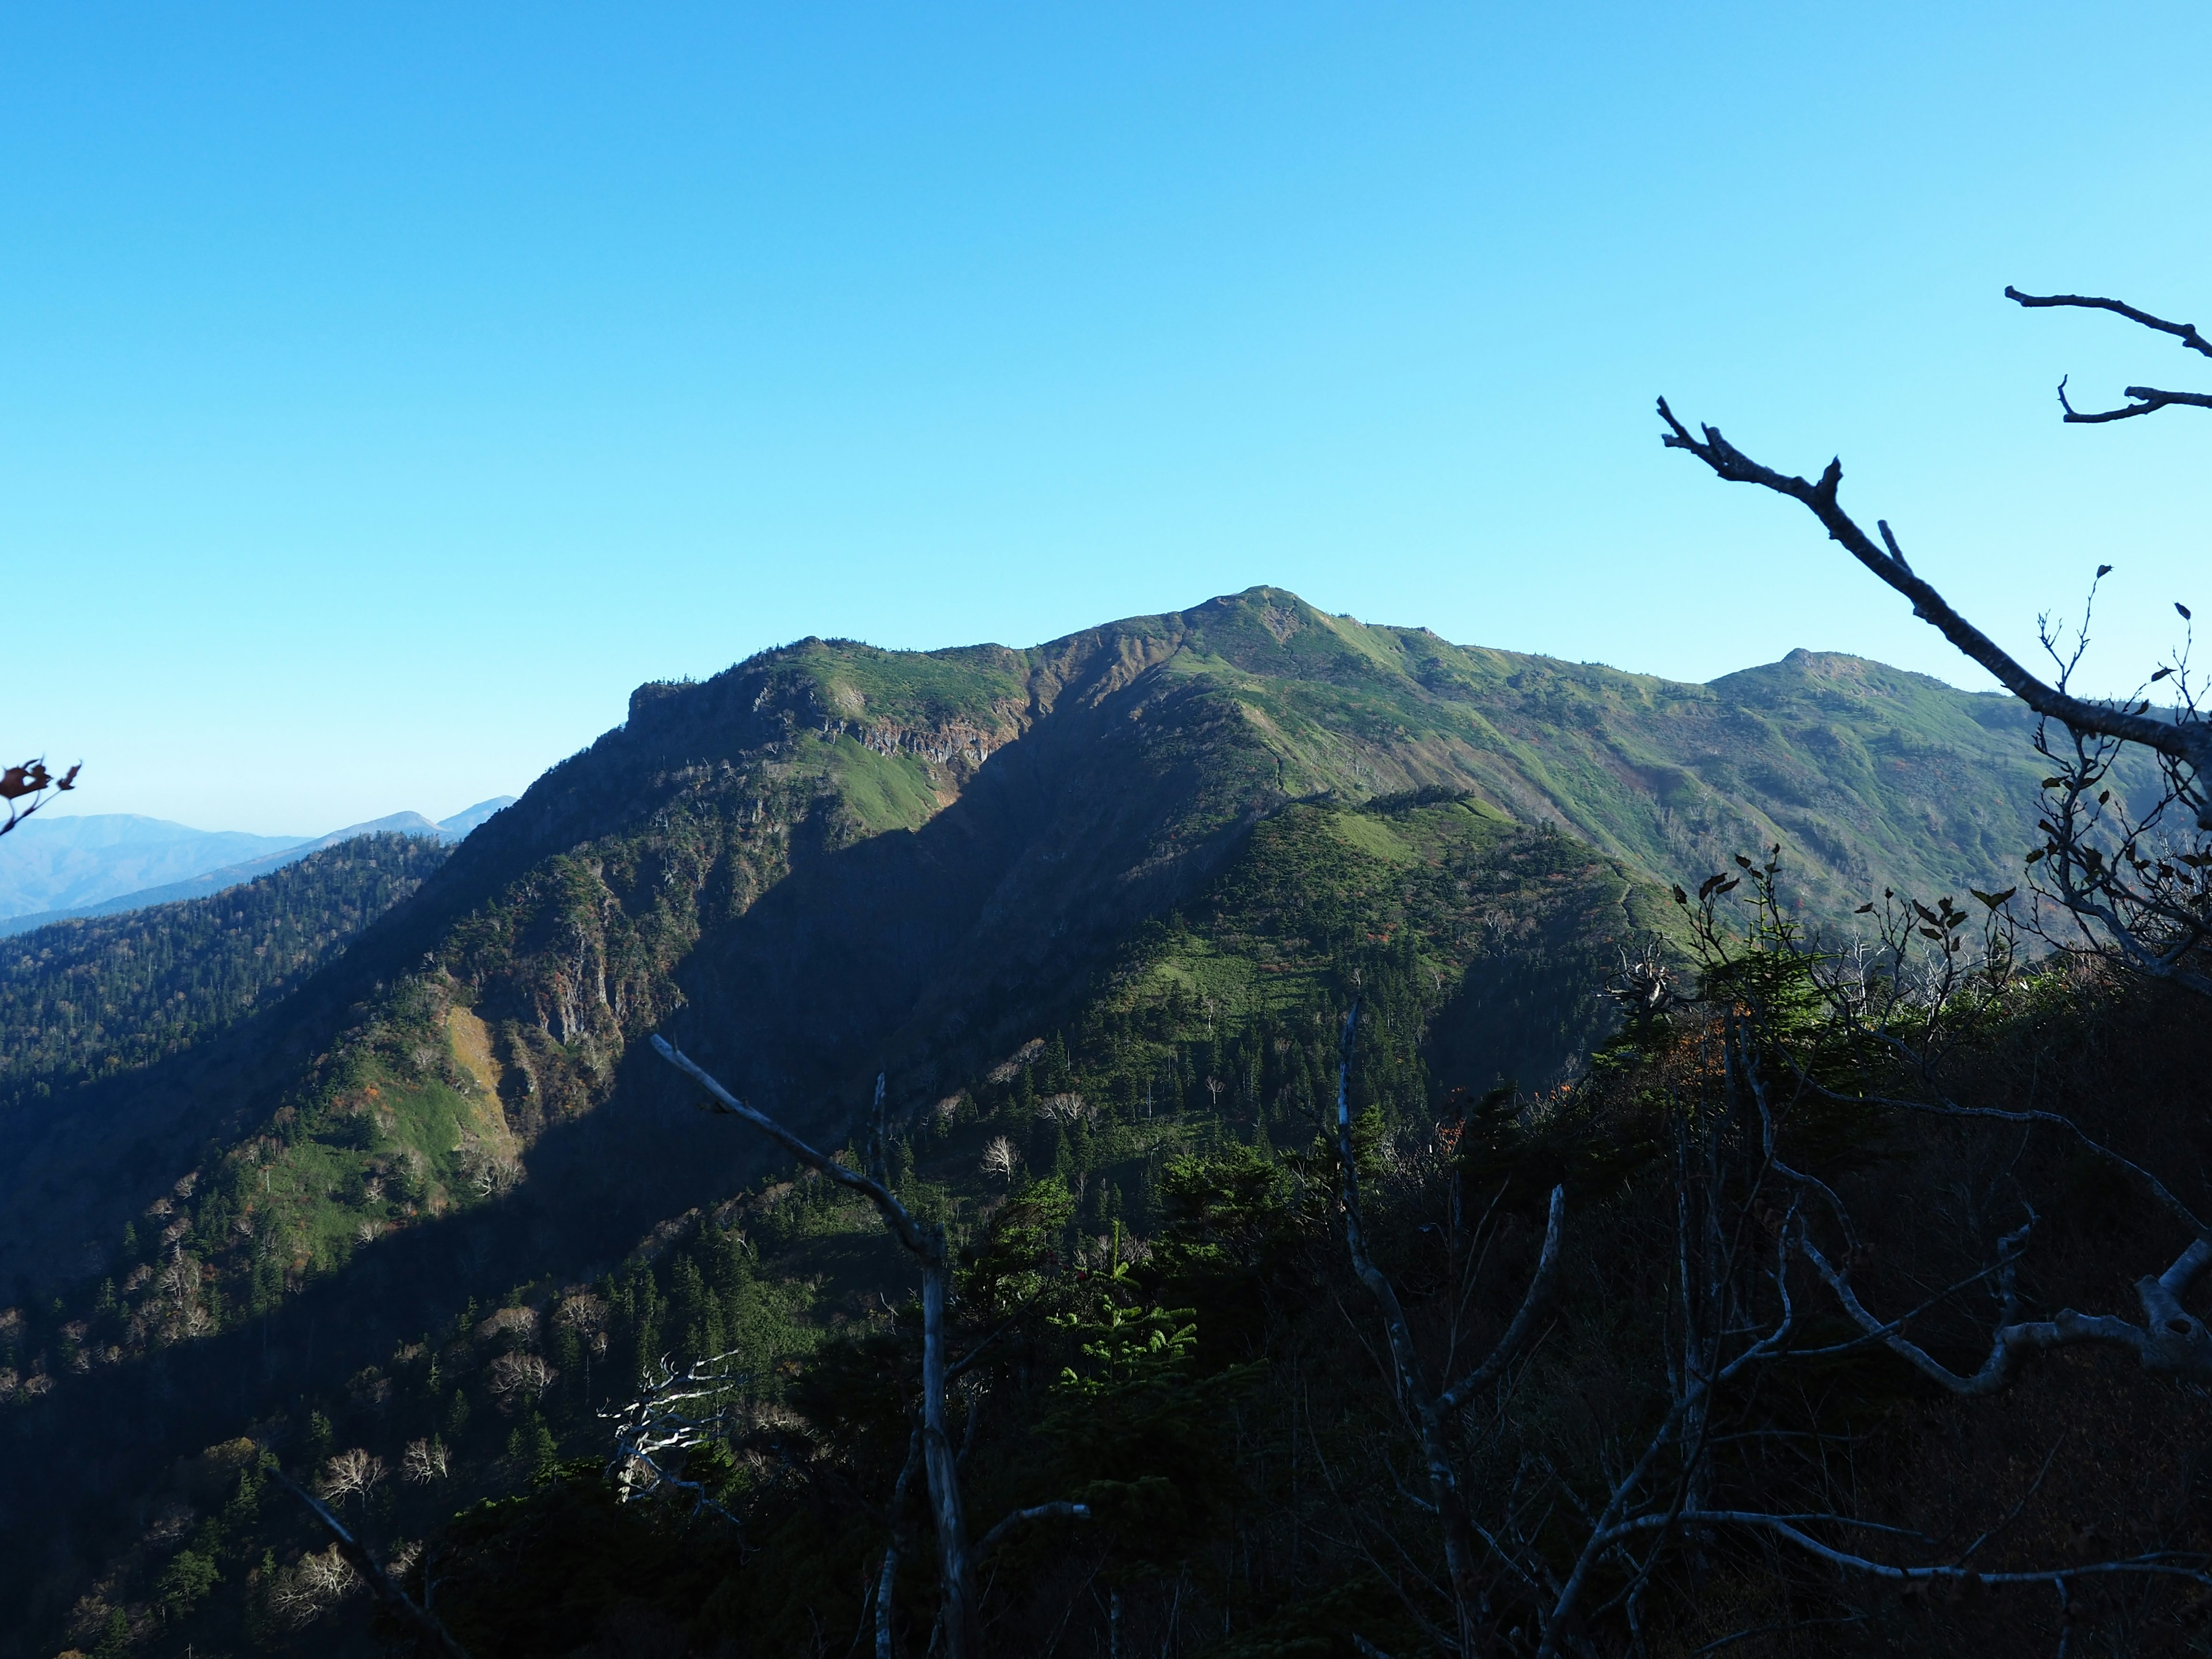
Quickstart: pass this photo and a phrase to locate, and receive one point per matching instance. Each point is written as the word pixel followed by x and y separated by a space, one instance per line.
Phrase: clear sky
pixel 385 390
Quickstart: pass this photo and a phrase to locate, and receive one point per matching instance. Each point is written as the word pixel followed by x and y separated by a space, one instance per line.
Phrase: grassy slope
pixel 1866 774
pixel 1498 939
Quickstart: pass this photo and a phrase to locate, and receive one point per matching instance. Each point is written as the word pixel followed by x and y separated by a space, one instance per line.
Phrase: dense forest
pixel 1379 1215
pixel 92 998
pixel 1164 1323
pixel 1204 1373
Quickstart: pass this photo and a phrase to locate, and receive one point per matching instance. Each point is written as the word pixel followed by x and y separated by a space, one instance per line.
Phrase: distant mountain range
pixel 100 864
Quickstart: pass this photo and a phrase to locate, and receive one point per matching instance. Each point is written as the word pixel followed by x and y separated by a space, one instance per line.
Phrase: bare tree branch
pixel 887 1582
pixel 903 1226
pixel 2185 332
pixel 1020 1518
pixel 2190 741
pixel 1432 1410
pixel 956 1556
pixel 429 1634
pixel 927 1246
pixel 2081 1136
pixel 2160 1564
pixel 2149 400
pixel 1540 1286
pixel 2169 1341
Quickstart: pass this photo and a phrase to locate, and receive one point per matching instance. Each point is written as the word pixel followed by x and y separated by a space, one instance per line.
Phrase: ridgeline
pixel 372 1153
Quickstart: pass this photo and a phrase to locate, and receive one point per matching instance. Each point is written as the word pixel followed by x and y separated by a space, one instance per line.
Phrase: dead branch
pixel 430 1635
pixel 1710 1256
pixel 927 1246
pixel 662 1421
pixel 903 1227
pixel 1516 1333
pixel 887 1581
pixel 2160 1564
pixel 2190 742
pixel 1432 1409
pixel 2169 1341
pixel 2148 399
pixel 957 1557
pixel 2186 332
pixel 1020 1518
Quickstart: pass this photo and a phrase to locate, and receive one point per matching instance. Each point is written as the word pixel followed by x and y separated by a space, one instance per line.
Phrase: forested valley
pixel 1387 1147
pixel 113 993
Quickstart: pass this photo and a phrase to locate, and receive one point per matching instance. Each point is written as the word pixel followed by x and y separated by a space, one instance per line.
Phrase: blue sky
pixel 382 395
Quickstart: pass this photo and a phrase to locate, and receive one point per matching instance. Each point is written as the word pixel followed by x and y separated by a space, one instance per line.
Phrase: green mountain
pixel 100 1017
pixel 83 999
pixel 1118 867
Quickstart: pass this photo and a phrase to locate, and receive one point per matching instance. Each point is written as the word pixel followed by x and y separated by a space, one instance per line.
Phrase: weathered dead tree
pixel 2139 889
pixel 1432 1408
pixel 675 1412
pixel 956 1556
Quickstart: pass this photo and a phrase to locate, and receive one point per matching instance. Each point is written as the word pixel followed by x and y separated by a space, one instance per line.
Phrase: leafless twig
pixel 2149 400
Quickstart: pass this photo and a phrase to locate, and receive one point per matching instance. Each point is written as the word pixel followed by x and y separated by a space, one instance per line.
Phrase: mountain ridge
pixel 1015 811
pixel 832 860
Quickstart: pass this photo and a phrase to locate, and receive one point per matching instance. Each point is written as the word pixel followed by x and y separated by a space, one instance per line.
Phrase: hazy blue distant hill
pixel 53 863
pixel 264 853
pixel 461 823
